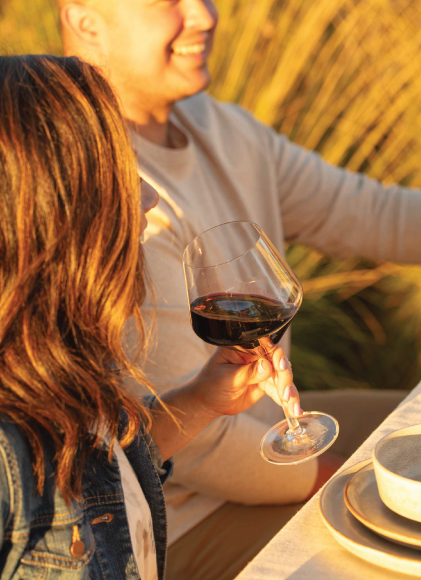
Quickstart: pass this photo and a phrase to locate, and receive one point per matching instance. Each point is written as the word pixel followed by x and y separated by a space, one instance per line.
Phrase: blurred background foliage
pixel 341 77
pixel 29 27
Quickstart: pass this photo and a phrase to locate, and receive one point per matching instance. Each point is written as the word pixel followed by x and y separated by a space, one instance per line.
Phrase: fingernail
pixel 301 412
pixel 261 367
pixel 287 394
pixel 297 410
pixel 283 364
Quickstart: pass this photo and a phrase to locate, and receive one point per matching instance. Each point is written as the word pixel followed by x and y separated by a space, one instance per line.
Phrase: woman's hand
pixel 232 381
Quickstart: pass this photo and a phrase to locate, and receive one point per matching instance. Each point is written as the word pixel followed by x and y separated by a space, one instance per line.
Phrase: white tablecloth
pixel 305 550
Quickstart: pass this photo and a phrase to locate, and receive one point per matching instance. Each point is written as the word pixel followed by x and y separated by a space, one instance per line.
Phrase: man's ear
pixel 83 23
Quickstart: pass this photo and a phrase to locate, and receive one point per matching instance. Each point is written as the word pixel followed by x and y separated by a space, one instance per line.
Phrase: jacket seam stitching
pixel 42 558
pixel 12 471
pixel 59 515
pixel 109 502
pixel 17 535
pixel 107 495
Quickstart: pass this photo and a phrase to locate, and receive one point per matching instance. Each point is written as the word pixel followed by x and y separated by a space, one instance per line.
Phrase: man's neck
pixel 151 125
pixel 156 133
pixel 163 134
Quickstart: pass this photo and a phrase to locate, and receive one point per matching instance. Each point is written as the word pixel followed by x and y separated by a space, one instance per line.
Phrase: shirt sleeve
pixel 342 213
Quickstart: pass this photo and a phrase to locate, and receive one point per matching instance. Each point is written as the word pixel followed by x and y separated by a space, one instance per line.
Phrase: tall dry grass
pixel 341 77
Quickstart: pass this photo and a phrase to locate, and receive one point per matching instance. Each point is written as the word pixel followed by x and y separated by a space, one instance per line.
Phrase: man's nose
pixel 200 14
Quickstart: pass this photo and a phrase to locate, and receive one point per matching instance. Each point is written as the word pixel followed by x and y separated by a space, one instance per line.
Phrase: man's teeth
pixel 193 49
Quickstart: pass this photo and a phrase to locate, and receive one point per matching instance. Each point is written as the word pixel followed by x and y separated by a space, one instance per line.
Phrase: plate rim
pixel 384 532
pixel 361 547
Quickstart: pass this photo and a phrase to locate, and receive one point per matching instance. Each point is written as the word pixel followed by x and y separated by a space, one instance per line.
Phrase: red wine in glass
pixel 234 319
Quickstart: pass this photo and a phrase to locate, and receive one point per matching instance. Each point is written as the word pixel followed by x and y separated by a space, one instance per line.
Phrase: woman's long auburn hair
pixel 71 272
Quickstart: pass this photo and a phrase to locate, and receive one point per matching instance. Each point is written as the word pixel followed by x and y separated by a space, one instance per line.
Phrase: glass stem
pixel 294 427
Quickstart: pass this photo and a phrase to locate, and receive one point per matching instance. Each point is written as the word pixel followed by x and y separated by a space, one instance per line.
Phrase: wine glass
pixel 240 291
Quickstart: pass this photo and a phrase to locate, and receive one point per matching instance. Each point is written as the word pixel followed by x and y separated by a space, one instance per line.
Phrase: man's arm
pixel 342 213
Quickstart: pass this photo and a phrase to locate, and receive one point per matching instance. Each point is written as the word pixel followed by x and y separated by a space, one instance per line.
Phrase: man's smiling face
pixel 158 49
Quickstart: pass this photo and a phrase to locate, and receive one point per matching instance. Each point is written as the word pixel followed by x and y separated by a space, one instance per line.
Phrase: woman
pixel 73 504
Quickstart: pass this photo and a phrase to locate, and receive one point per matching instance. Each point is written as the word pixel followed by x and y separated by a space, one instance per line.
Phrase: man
pixel 213 163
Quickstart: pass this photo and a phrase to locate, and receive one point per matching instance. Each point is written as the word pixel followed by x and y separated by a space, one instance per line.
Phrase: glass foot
pixel 313 434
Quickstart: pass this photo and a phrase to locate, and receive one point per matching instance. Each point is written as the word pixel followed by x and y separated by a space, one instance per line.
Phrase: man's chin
pixel 194 90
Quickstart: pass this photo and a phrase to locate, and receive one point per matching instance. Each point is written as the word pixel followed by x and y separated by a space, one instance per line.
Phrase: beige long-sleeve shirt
pixel 235 168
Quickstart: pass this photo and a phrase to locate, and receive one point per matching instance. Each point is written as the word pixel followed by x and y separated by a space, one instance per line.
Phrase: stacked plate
pixel 373 509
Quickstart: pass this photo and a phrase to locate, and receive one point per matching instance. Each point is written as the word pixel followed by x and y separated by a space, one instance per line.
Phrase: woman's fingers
pixel 291 402
pixel 272 375
pixel 259 371
pixel 287 390
pixel 234 356
pixel 282 377
pixel 280 361
pixel 271 390
pixel 283 391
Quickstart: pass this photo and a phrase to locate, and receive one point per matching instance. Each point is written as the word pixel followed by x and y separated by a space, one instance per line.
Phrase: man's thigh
pixel 222 545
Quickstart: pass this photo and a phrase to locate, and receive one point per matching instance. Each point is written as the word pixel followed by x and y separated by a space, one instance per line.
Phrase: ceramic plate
pixel 363 500
pixel 358 539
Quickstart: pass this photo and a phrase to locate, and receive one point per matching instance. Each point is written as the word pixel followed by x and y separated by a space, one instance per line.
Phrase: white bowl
pixel 397 465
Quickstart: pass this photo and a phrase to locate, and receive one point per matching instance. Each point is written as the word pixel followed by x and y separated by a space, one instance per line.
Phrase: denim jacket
pixel 43 538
